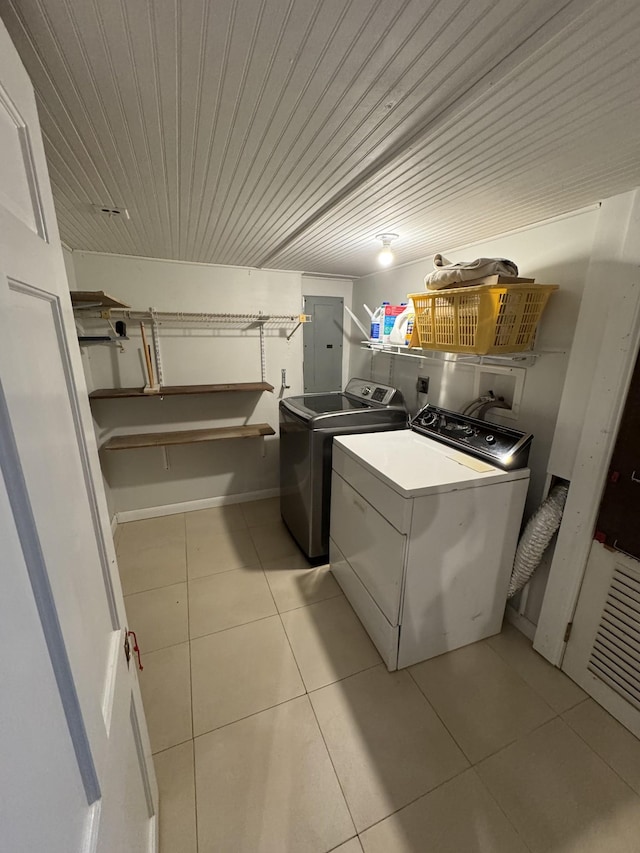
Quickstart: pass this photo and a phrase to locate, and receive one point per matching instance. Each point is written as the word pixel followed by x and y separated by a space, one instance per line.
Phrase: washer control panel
pixel 374 392
pixel 502 446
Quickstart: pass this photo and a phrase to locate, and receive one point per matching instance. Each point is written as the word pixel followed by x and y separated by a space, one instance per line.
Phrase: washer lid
pixel 363 403
pixel 413 465
pixel 320 404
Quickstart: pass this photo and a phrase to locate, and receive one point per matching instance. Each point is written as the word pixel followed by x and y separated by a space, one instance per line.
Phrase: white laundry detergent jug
pixel 403 326
pixel 377 320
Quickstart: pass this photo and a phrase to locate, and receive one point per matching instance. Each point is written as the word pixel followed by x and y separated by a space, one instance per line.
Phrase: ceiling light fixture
pixel 385 255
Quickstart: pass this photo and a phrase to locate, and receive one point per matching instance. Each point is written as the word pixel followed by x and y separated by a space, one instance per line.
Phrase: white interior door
pixel 76 772
pixel 603 652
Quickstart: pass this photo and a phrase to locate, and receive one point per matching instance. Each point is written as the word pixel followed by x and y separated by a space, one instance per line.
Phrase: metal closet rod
pixel 205 317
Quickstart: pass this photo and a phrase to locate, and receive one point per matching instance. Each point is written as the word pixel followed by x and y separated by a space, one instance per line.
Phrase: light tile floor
pixel 276 728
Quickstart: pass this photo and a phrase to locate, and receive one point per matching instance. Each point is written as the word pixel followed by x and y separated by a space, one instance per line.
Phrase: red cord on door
pixel 136 647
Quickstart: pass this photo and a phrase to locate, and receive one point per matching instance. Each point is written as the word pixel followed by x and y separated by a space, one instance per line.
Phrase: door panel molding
pixel 37 223
pixel 65 358
pixel 24 521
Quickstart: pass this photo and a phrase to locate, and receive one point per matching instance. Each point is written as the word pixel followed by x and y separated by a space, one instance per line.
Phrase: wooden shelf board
pixel 90 297
pixel 174 390
pixel 186 436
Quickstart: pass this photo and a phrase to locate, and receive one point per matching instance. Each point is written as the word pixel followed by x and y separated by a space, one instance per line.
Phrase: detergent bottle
pixel 391 313
pixel 377 320
pixel 403 326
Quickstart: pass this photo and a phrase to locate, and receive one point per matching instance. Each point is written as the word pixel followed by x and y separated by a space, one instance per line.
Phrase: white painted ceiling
pixel 288 133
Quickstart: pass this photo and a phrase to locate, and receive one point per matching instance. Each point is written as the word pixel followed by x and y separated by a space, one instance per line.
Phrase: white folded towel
pixel 446 274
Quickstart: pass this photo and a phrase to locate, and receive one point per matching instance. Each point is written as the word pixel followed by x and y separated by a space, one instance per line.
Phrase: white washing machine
pixel 424 527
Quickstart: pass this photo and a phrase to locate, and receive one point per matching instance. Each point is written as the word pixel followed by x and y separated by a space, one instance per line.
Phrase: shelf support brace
pixel 294 330
pixel 263 361
pixel 165 457
pixel 155 333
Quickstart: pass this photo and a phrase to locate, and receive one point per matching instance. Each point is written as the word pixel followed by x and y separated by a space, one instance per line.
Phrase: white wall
pixel 554 253
pixel 70 268
pixel 137 478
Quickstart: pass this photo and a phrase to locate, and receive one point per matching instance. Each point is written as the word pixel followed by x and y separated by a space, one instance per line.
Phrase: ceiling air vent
pixel 112 211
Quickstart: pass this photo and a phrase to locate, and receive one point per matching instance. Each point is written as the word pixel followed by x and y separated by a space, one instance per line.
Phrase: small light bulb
pixel 385 257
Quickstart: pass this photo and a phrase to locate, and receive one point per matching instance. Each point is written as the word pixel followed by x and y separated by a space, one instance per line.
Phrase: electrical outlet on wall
pixel 423 385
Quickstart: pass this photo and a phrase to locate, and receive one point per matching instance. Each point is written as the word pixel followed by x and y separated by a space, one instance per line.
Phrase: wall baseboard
pixel 520 622
pixel 191 506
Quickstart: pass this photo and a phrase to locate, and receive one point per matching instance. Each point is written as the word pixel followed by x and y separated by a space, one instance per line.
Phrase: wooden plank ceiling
pixel 288 133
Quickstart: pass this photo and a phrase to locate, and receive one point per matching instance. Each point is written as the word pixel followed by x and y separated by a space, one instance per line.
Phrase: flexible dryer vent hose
pixel 536 537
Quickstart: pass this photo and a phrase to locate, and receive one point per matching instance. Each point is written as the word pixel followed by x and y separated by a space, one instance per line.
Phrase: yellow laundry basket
pixel 484 320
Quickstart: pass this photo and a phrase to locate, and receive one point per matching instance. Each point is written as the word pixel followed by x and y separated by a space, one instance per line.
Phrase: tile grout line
pixel 193 742
pixel 500 808
pixel 300 568
pixel 586 742
pixel 495 752
pixel 415 799
pixel 400 808
pixel 446 727
pixel 223 572
pixel 187 580
pixel 516 739
pixel 339 594
pixel 555 714
pixel 118 551
pixel 233 627
pixel 248 716
pixel 512 667
pixel 346 841
pixel 153 588
pixel 266 580
pixel 293 654
pixel 517 674
pixel 173 746
pixel 195 793
pixel 315 717
pixel 345 677
pixel 333 767
pixel 278 704
pixel 581 702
